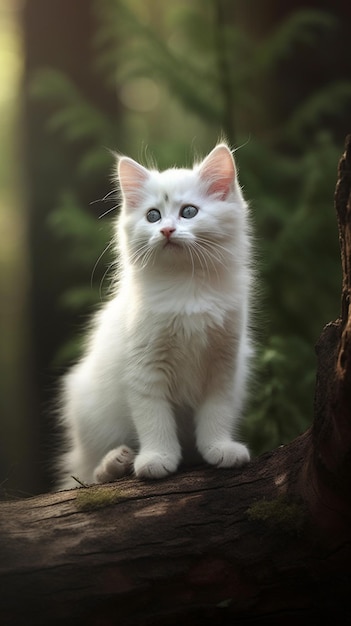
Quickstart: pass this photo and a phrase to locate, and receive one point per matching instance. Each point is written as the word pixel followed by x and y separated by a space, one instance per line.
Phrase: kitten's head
pixel 182 217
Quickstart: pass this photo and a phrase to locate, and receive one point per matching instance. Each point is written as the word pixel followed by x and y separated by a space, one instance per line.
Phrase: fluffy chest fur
pixel 175 357
pixel 178 336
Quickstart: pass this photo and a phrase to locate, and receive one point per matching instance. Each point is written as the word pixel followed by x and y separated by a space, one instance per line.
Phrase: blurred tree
pixel 160 72
pixel 18 436
pixel 57 34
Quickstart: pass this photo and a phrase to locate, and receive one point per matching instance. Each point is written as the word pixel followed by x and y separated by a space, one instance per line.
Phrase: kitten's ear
pixel 132 178
pixel 218 171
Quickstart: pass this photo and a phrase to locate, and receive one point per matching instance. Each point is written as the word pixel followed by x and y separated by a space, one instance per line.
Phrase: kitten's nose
pixel 167 231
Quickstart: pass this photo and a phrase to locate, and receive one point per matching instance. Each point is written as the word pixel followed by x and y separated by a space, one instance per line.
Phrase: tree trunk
pixel 268 544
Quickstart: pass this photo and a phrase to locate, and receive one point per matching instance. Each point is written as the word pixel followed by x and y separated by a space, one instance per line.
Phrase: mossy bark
pixel 268 544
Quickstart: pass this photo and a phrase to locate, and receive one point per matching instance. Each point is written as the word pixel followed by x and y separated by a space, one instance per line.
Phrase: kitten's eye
pixel 153 215
pixel 189 211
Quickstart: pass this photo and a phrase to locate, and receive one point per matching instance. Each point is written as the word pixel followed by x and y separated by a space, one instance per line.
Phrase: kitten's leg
pixel 214 426
pixel 160 452
pixel 116 463
pixel 216 418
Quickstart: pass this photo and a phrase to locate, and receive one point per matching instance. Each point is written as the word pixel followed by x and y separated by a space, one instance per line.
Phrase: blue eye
pixel 189 211
pixel 153 215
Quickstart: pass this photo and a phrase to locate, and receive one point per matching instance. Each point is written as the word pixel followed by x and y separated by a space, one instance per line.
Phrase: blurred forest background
pixel 164 78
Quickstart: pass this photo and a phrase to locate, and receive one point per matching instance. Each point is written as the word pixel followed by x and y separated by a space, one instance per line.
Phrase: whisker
pixel 98 261
pixel 109 193
pixel 142 255
pixel 148 257
pixel 108 211
pixel 199 255
pixel 217 251
pixel 104 276
pixel 217 257
pixel 139 253
pixel 208 256
pixel 189 249
pixel 216 245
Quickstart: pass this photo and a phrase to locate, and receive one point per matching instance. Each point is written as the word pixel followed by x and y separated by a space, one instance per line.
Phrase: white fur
pixel 164 373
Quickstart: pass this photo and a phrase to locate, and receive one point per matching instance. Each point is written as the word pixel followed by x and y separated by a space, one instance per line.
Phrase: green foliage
pixel 282 393
pixel 325 104
pixel 209 63
pixel 74 225
pixel 211 78
pixel 87 246
pixel 74 118
pixel 302 27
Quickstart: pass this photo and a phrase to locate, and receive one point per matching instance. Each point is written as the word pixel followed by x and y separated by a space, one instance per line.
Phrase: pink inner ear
pixel 217 171
pixel 132 178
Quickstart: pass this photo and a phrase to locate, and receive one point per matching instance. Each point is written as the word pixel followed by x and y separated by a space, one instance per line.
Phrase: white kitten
pixel 164 373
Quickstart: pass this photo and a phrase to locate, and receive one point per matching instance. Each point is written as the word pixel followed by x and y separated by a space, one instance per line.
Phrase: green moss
pixel 287 514
pixel 96 498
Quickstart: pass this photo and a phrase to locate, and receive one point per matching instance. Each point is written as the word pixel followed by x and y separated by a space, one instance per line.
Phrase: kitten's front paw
pixel 115 464
pixel 226 454
pixel 155 465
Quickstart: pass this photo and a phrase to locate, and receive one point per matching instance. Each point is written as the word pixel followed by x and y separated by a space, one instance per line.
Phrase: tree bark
pixel 268 544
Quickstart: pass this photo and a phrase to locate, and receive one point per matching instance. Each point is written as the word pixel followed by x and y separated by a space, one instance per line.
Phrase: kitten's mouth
pixel 171 245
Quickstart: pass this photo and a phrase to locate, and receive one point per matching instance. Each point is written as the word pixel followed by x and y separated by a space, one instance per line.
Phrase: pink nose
pixel 167 231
